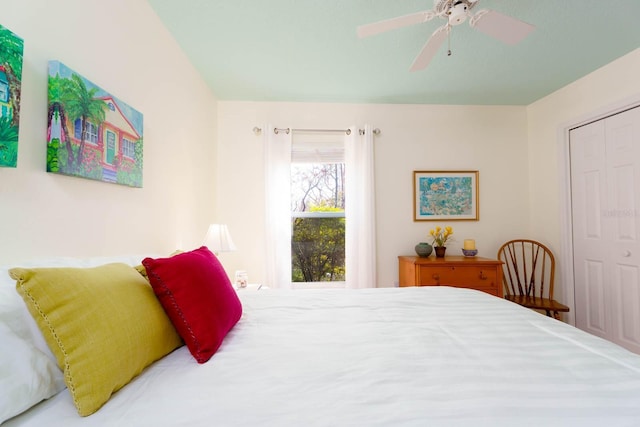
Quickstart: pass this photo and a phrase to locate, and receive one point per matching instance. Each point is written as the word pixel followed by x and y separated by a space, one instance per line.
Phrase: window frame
pixel 128 144
pixel 88 135
pixel 338 284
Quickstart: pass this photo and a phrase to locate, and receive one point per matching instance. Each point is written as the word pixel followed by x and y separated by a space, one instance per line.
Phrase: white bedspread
pixel 431 356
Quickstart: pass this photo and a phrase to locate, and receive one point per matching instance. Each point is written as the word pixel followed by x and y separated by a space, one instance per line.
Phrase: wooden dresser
pixel 483 274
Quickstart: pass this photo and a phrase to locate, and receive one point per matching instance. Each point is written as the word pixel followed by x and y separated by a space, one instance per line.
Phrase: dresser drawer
pixel 464 276
pixel 483 274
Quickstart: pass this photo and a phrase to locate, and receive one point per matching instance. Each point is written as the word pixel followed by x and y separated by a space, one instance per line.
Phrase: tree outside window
pixel 318 222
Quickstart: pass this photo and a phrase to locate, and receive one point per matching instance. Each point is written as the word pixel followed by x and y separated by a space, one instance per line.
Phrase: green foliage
pixel 8 143
pixel 11 49
pixel 63 162
pixel 318 241
pixel 132 177
pixel 90 168
pixel 9 153
pixel 65 166
pixel 71 98
pixel 80 103
pixel 54 88
pixel 317 248
pixel 129 178
pixel 52 156
pixel 7 131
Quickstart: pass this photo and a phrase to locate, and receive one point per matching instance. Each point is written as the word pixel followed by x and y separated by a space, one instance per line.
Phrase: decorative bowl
pixel 470 252
pixel 424 249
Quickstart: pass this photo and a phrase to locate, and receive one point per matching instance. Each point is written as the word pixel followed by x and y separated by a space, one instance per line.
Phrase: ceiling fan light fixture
pixel 497 25
pixel 458 13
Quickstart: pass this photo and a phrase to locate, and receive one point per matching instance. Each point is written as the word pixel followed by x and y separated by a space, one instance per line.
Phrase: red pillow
pixel 198 297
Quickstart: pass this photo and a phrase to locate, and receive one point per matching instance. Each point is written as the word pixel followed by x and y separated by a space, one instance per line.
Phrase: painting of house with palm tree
pixel 91 133
pixel 11 52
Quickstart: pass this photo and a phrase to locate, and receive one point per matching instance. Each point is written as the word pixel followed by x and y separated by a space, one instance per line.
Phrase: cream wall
pixel 492 140
pixel 607 88
pixel 122 46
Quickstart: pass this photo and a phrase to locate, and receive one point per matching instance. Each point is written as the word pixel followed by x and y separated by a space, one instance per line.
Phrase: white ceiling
pixel 307 50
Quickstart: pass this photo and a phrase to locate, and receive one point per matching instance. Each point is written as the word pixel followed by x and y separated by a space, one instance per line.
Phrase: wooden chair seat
pixel 528 276
pixel 536 303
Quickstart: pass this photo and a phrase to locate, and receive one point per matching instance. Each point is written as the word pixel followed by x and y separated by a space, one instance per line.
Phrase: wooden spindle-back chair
pixel 528 276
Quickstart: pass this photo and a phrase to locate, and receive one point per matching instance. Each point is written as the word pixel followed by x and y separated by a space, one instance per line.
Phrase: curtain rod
pixel 258 130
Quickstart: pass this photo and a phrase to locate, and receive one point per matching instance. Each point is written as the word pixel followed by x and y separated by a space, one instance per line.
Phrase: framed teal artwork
pixel 445 195
pixel 91 133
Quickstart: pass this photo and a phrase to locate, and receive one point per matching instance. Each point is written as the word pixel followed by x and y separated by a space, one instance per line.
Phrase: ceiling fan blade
pixel 393 23
pixel 430 48
pixel 505 28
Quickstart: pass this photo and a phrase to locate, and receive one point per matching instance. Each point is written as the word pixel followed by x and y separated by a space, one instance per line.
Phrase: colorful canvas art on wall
pixel 445 195
pixel 11 52
pixel 91 133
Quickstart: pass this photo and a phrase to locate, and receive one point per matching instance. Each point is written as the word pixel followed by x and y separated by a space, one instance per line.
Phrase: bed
pixel 435 356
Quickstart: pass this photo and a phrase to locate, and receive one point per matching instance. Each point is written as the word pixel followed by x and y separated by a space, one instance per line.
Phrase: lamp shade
pixel 218 239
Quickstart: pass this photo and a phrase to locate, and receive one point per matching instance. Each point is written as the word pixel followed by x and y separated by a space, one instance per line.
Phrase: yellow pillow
pixel 143 271
pixel 103 324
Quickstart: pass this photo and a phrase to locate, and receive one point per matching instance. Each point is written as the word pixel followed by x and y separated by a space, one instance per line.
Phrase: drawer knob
pixel 482 276
pixel 435 276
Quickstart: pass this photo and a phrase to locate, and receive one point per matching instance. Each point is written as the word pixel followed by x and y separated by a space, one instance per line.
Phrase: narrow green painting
pixel 11 52
pixel 91 133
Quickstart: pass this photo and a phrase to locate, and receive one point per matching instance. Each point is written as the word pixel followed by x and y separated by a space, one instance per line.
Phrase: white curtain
pixel 278 207
pixel 360 209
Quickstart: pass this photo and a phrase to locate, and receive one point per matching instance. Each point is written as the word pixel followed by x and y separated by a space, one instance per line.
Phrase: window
pixel 4 91
pixel 350 155
pixel 90 134
pixel 317 210
pixel 128 148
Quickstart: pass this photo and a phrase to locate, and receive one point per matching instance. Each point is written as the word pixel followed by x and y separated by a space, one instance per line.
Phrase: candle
pixel 469 244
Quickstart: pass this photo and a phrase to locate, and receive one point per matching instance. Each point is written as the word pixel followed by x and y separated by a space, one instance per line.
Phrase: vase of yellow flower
pixel 440 237
pixel 440 250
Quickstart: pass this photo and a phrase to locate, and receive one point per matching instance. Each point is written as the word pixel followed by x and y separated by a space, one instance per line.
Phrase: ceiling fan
pixel 502 27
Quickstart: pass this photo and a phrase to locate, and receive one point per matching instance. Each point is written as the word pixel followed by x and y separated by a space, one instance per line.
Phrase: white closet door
pixel 605 173
pixel 588 192
pixel 623 221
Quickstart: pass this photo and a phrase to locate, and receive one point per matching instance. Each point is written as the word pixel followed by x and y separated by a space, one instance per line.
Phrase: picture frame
pixel 91 133
pixel 445 196
pixel 11 58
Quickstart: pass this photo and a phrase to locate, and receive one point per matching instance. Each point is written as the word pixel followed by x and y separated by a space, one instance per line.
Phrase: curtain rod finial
pixel 376 131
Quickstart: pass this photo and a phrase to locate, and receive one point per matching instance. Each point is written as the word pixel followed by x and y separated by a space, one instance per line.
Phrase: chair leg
pixel 556 315
pixel 548 313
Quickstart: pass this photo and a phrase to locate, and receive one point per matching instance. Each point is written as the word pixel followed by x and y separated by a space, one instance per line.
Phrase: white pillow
pixel 27 375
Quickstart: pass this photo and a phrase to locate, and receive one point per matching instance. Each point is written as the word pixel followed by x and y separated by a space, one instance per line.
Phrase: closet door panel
pixel 605 187
pixel 622 147
pixel 589 202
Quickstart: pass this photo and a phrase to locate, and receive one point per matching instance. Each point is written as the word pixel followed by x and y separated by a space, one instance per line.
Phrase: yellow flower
pixel 440 236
